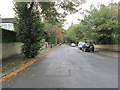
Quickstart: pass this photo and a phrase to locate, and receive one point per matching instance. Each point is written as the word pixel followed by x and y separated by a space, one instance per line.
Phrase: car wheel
pixel 92 50
pixel 82 49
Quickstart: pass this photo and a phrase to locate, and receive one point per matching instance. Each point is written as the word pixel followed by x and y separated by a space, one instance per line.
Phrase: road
pixel 68 67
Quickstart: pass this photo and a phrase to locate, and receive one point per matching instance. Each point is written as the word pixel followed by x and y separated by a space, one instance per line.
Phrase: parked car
pixel 88 47
pixel 60 44
pixel 80 44
pixel 73 45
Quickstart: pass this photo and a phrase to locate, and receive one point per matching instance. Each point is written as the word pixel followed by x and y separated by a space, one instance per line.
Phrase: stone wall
pixel 113 47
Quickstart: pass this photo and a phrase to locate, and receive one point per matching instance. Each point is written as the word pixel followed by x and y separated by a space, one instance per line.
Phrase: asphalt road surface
pixel 68 67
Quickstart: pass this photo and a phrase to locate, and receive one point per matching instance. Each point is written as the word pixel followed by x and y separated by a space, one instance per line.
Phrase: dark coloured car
pixel 88 47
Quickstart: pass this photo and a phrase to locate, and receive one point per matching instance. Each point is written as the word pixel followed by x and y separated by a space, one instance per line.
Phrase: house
pixel 7 23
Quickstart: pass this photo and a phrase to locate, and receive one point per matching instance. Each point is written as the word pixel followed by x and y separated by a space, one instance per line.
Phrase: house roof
pixel 8 20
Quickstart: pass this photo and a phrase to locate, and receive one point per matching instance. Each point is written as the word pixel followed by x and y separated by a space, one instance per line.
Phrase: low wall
pixel 10 49
pixel 108 47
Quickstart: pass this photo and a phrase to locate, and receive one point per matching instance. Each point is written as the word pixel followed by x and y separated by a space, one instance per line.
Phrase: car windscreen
pixel 81 44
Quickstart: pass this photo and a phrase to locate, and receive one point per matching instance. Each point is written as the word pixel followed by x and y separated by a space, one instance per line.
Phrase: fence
pixel 8 36
pixel 9 44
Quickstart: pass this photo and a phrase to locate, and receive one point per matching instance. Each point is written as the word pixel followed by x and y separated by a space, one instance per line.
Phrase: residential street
pixel 68 67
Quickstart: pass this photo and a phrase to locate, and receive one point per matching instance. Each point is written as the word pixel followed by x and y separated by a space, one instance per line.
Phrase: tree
pixel 70 34
pixel 100 25
pixel 50 34
pixel 106 24
pixel 53 34
pixel 29 27
pixel 58 34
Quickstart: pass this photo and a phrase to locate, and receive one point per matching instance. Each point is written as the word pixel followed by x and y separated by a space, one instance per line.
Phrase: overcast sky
pixel 6 10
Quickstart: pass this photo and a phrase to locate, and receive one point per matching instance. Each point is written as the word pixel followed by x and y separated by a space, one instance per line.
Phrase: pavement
pixel 12 63
pixel 68 67
pixel 108 52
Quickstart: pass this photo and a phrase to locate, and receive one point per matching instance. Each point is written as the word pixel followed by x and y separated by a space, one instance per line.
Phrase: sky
pixel 6 10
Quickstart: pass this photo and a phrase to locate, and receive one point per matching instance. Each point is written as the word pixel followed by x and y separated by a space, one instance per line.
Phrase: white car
pixel 80 44
pixel 73 45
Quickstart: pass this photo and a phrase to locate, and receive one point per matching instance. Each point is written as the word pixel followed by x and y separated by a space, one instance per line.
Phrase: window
pixel 4 26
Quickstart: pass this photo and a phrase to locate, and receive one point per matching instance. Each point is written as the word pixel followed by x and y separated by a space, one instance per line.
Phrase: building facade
pixel 7 23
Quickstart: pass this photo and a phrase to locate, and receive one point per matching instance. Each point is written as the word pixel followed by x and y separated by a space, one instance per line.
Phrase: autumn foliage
pixel 58 33
pixel 53 34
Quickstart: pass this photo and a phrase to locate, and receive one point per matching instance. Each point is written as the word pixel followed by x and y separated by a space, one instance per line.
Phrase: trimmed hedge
pixel 8 36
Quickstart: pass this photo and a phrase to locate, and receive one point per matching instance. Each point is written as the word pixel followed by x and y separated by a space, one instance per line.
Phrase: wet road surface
pixel 68 67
